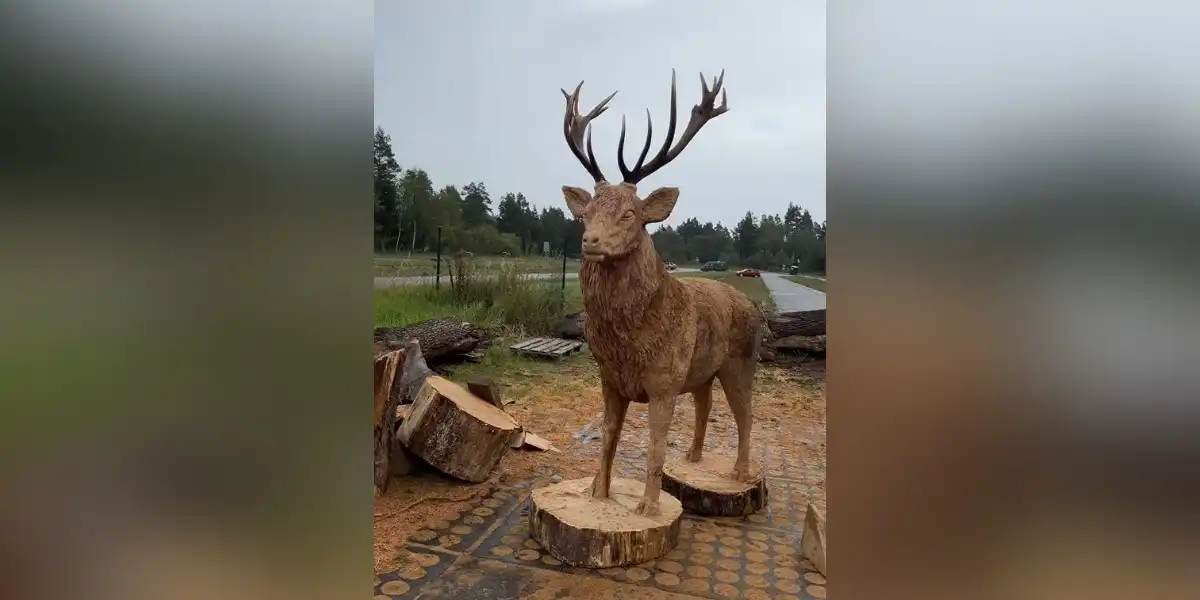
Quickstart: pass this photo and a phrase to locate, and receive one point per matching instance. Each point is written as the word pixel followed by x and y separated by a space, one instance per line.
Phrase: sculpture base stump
pixel 583 532
pixel 704 488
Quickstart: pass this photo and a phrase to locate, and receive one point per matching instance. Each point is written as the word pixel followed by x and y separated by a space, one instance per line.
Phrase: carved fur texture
pixel 655 336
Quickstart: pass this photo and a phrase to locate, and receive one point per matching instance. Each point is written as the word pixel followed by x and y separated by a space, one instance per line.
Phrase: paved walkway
pixel 485 551
pixel 790 296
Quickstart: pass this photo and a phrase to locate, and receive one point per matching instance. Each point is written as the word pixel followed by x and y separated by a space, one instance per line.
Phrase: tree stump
pixel 455 432
pixel 704 488
pixel 583 532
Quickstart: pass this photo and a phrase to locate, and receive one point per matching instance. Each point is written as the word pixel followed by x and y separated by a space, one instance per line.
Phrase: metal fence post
pixel 437 282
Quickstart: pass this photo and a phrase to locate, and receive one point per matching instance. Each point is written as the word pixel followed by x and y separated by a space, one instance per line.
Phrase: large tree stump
pixel 584 532
pixel 387 368
pixel 455 432
pixel 704 488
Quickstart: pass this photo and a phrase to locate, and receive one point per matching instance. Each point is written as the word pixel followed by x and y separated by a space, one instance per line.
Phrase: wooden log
pixel 413 375
pixel 439 338
pixel 797 323
pixel 705 488
pixel 455 432
pixel 487 390
pixel 814 345
pixel 387 368
pixel 585 532
pixel 812 544
pixel 572 326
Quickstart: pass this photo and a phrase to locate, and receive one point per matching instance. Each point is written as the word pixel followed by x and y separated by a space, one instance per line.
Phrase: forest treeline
pixel 409 208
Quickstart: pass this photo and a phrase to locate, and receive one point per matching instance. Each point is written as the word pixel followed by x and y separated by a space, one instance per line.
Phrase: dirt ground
pixel 564 405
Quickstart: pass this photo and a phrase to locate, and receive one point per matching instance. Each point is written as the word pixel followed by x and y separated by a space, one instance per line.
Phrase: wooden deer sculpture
pixel 655 336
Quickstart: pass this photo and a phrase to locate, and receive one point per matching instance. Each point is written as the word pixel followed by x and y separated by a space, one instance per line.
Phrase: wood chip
pixel 537 442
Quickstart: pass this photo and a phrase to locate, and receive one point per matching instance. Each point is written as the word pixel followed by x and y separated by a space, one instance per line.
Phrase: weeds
pixel 496 296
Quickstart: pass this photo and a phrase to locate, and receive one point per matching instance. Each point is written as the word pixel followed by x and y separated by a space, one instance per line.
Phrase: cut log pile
pixel 798 332
pixel 424 419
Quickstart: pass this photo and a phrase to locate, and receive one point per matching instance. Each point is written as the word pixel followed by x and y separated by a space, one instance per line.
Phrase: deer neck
pixel 616 293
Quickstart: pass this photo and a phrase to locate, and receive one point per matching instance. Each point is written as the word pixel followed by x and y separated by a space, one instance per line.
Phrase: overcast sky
pixel 469 90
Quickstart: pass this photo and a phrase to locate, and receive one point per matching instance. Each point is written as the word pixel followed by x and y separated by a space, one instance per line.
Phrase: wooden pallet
pixel 546 347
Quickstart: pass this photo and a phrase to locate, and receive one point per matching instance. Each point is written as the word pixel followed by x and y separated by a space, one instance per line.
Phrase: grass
pixel 425 264
pixel 751 286
pixel 806 281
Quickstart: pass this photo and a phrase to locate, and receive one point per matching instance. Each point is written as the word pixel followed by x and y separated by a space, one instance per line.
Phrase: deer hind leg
pixel 614 419
pixel 662 410
pixel 703 398
pixel 737 380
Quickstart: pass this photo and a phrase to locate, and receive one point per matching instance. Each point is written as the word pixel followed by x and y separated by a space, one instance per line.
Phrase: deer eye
pixel 628 215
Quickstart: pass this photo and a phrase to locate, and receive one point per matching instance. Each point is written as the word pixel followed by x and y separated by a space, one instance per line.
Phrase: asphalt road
pixel 790 296
pixel 387 282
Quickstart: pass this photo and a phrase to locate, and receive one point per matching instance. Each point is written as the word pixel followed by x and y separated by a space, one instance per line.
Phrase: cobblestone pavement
pixel 485 551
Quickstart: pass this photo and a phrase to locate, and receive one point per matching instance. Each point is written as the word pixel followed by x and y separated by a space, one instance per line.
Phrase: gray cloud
pixel 469 90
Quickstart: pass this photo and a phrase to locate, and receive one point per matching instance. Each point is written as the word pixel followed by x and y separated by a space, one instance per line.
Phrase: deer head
pixel 614 216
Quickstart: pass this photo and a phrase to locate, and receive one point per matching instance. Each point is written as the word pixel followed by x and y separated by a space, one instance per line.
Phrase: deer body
pixel 655 336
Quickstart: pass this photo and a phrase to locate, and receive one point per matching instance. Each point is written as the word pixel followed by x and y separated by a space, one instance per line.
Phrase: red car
pixel 748 273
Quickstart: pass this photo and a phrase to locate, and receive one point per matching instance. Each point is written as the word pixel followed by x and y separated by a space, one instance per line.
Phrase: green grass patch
pixel 751 286
pixel 810 282
pixel 489 297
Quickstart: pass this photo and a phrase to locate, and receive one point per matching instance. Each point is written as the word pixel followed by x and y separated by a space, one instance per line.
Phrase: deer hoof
pixel 740 473
pixel 599 490
pixel 695 455
pixel 647 508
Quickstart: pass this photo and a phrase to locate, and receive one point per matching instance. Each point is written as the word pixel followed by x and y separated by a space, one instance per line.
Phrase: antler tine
pixel 575 126
pixel 702 113
pixel 645 148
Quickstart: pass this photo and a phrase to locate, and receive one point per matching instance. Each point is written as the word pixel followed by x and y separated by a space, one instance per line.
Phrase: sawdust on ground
pixel 557 405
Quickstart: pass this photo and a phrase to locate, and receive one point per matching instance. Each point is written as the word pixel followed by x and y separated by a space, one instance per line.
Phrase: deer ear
pixel 659 204
pixel 577 200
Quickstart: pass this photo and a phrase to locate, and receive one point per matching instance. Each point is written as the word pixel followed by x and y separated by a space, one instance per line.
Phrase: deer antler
pixel 574 126
pixel 702 113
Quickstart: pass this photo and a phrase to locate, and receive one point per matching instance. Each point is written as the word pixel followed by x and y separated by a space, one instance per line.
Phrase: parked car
pixel 749 273
pixel 714 265
pixel 671 266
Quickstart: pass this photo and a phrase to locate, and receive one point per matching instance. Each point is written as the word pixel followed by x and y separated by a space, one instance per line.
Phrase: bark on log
pixel 704 488
pixel 455 432
pixel 387 367
pixel 797 323
pixel 581 532
pixel 439 338
pixel 572 326
pixel 814 345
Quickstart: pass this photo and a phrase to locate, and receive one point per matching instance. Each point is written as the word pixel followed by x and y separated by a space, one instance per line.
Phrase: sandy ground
pixel 789 408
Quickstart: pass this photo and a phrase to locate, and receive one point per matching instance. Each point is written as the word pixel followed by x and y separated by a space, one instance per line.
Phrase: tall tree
pixel 476 204
pixel 387 170
pixel 554 227
pixel 745 237
pixel 417 207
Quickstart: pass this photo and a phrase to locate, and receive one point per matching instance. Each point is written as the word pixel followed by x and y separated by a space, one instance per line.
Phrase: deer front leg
pixel 703 398
pixel 614 419
pixel 662 410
